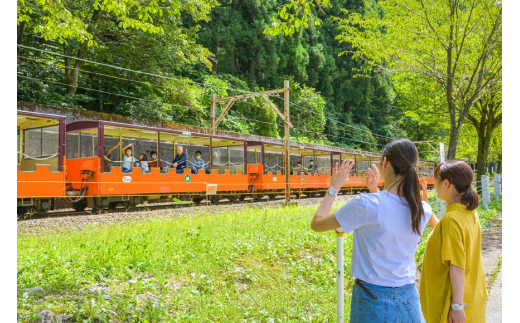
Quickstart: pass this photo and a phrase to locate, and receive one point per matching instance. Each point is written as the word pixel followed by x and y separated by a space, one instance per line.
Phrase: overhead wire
pixel 131 70
pixel 181 80
pixel 132 97
pixel 369 132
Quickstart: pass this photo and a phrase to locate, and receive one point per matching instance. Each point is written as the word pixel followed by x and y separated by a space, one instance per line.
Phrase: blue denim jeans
pixel 393 304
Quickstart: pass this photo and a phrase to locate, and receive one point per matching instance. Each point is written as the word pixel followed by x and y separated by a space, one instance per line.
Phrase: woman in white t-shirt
pixel 387 226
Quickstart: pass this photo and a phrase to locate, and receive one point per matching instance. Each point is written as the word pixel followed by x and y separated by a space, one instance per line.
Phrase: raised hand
pixel 373 179
pixel 340 175
pixel 424 187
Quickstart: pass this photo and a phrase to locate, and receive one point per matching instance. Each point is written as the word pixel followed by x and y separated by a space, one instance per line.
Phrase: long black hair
pixel 403 156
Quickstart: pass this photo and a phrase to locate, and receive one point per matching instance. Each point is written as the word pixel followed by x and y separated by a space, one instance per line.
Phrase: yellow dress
pixel 456 239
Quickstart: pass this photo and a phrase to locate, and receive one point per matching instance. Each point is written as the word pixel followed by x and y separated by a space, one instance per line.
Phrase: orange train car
pixel 82 163
pixel 40 161
pixel 234 168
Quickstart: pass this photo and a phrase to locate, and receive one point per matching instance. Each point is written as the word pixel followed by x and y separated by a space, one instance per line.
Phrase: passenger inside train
pixel 128 160
pixel 143 163
pixel 298 168
pixel 107 155
pixel 198 163
pixel 180 160
pixel 154 162
pixel 312 168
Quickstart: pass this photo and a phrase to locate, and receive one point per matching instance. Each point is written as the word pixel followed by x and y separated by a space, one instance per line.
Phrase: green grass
pixel 254 265
pixel 494 274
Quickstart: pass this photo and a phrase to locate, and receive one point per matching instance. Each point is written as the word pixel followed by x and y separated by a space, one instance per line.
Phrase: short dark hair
pixel 198 152
pixel 153 152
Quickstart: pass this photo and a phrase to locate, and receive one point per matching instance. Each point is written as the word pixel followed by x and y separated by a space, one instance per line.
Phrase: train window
pixel 335 160
pixel 220 159
pixel 254 155
pixel 236 159
pixel 88 143
pixel 323 163
pixel 273 161
pixel 41 142
pixel 50 140
pixel 111 141
pixel 72 145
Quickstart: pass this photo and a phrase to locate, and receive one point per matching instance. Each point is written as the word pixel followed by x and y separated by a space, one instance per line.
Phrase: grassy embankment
pixel 252 264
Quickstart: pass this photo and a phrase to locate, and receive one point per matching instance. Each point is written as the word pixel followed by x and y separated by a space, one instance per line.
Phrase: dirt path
pixel 491 258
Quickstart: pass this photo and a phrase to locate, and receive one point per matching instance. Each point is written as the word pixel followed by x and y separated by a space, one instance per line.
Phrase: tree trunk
pixel 499 164
pixel 482 155
pixel 454 139
pixel 20 28
pixel 72 74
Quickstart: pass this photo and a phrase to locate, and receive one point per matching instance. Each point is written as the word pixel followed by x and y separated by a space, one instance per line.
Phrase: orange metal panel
pixel 41 182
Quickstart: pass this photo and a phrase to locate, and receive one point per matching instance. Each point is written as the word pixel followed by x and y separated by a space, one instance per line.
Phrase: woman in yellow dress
pixel 453 285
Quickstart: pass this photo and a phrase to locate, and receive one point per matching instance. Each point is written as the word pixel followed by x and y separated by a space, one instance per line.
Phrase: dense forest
pixel 163 59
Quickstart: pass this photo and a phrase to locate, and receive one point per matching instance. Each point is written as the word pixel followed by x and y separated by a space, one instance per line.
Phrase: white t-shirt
pixel 384 242
pixel 144 167
pixel 128 162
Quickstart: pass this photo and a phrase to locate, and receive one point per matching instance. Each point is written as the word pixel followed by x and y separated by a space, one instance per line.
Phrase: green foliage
pixel 246 264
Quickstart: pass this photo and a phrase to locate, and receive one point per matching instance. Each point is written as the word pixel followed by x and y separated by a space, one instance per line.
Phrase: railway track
pixel 160 206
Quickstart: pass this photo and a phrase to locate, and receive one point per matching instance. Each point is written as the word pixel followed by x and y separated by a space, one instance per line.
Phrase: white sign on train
pixel 186 133
pixel 127 179
pixel 211 189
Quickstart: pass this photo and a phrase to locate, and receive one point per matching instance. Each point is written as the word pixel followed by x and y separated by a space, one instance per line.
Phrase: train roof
pixel 85 118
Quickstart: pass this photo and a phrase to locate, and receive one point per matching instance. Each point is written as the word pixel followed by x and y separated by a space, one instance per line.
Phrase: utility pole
pixel 285 117
pixel 213 112
pixel 287 146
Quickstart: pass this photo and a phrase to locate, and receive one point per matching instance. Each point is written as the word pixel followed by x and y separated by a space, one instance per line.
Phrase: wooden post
pixel 287 154
pixel 213 112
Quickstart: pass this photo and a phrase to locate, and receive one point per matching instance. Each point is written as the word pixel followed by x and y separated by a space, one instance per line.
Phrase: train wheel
pixel 271 196
pixel 21 210
pixel 113 205
pixel 233 198
pixel 257 197
pixel 242 197
pixel 215 199
pixel 80 206
pixel 197 200
pixel 322 194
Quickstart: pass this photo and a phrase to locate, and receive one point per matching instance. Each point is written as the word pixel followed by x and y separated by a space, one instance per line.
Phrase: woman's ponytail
pixel 470 198
pixel 403 156
pixel 411 191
